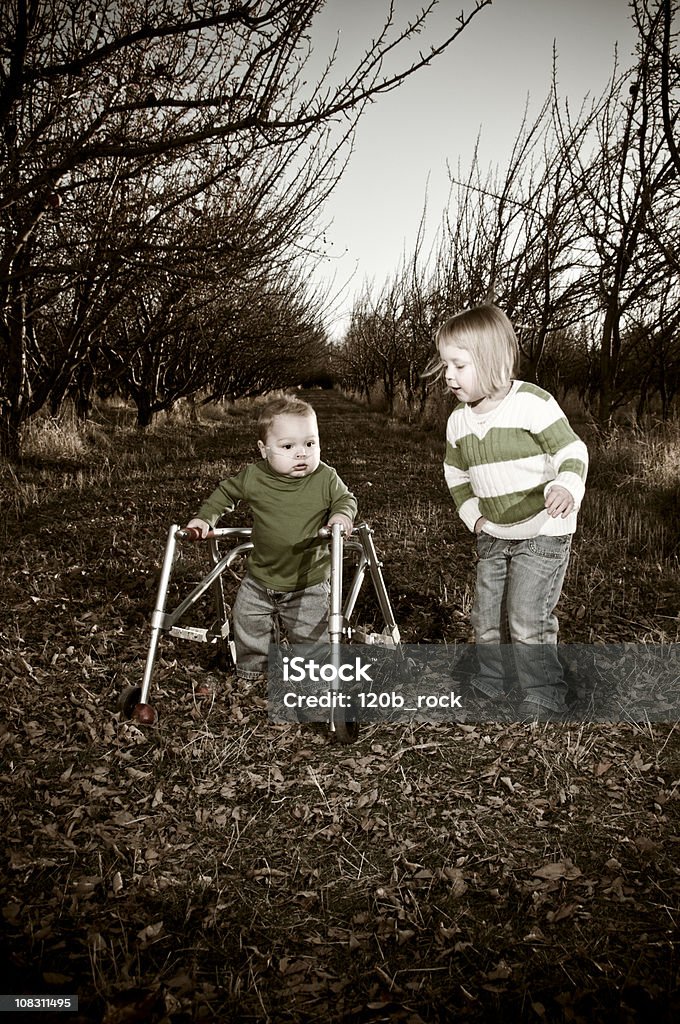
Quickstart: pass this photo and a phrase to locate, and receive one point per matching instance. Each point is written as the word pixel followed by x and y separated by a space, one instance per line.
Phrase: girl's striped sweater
pixel 502 464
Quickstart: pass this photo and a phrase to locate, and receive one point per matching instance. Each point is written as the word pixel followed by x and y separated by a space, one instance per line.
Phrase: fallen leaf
pixel 558 869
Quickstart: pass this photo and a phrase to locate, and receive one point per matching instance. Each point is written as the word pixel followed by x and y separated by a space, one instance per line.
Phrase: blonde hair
pixel 287 405
pixel 487 334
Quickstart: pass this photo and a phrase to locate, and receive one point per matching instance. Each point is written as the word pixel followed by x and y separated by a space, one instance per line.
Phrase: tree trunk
pixel 144 413
pixel 10 437
pixel 82 393
pixel 607 368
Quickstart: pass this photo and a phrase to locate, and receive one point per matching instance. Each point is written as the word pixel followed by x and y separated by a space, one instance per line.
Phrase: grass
pixel 221 867
pixel 634 492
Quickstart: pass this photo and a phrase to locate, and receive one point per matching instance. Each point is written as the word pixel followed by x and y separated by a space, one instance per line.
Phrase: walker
pixel 134 701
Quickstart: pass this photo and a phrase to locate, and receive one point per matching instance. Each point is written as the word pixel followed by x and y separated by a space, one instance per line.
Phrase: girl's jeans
pixel 260 615
pixel 518 586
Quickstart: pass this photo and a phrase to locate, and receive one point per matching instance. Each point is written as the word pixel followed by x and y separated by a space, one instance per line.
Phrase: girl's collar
pixel 495 403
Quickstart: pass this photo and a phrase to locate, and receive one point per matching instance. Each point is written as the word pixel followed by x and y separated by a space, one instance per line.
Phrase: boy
pixel 292 494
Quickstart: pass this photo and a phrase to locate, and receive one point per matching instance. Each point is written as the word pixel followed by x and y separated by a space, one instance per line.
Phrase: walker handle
pixel 192 533
pixel 217 533
pixel 327 531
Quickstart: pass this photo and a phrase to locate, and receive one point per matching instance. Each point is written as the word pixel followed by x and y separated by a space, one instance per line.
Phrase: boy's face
pixel 460 373
pixel 292 446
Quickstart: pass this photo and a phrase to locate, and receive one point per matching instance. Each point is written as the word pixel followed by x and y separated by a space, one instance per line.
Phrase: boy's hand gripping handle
pixel 191 533
pixel 327 531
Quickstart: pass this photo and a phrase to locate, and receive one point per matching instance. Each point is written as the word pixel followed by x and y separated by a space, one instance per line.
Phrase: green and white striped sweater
pixel 501 464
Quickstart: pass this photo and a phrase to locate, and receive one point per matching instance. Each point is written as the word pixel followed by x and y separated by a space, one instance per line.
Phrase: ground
pixel 221 867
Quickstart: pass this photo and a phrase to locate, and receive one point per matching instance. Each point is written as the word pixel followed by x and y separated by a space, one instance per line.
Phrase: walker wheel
pixel 129 699
pixel 344 732
pixel 145 714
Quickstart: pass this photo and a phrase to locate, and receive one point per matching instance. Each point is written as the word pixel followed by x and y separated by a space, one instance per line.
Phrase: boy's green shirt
pixel 288 513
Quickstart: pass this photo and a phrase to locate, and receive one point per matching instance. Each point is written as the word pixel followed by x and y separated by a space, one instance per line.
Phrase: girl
pixel 516 472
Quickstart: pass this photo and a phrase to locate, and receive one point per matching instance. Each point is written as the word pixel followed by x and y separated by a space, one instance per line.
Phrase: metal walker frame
pixel 134 701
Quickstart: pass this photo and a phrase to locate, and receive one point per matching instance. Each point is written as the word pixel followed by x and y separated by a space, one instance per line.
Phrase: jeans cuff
pixel 544 703
pixel 249 677
pixel 487 689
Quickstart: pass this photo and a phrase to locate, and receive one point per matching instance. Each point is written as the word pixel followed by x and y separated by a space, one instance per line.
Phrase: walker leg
pixel 140 710
pixel 159 610
pixel 374 567
pixel 227 651
pixel 341 730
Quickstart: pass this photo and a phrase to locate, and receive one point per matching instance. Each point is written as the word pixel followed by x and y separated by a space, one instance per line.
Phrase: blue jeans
pixel 261 615
pixel 519 583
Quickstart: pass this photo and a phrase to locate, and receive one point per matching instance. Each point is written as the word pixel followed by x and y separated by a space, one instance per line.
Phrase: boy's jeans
pixel 261 614
pixel 518 585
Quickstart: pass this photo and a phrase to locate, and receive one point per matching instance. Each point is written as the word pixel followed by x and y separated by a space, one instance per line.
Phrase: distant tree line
pixel 577 239
pixel 163 165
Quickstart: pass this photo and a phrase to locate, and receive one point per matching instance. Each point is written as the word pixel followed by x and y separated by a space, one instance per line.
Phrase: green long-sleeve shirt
pixel 287 515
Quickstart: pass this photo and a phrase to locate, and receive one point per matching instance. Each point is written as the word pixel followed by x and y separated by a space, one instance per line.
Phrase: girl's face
pixel 292 447
pixel 460 373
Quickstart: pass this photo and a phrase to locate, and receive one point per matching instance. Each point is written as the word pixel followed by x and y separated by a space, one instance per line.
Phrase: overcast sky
pixel 479 85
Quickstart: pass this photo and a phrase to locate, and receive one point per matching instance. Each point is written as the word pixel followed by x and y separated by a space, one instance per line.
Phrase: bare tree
pixel 354 360
pixel 273 339
pixel 626 199
pixel 577 236
pixel 669 65
pixel 510 237
pixel 419 321
pixel 207 105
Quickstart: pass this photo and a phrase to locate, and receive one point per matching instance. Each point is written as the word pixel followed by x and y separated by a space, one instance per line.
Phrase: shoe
pixel 251 685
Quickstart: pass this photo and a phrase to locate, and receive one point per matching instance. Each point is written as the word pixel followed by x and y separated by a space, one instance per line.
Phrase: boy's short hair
pixel 287 405
pixel 487 334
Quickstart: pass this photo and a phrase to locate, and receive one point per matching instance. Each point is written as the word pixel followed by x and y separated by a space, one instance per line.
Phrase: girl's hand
pixel 200 525
pixel 559 502
pixel 480 524
pixel 344 521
